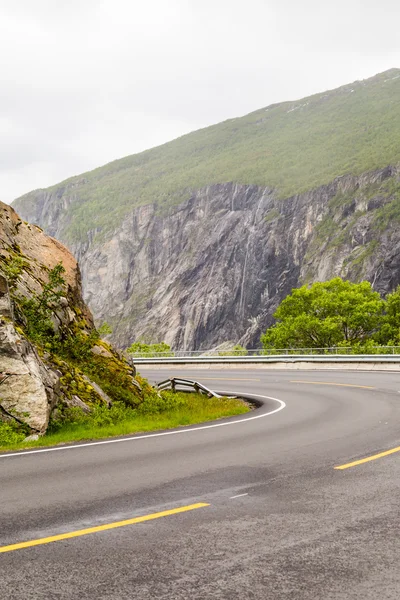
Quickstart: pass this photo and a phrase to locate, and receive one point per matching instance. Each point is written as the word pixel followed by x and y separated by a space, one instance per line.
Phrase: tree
pixel 390 330
pixel 326 314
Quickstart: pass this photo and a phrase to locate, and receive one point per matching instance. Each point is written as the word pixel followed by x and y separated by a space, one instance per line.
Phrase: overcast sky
pixel 86 81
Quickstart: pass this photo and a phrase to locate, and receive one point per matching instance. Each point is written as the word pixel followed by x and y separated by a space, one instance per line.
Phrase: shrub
pixel 165 401
pixel 141 349
pixel 235 351
pixel 11 433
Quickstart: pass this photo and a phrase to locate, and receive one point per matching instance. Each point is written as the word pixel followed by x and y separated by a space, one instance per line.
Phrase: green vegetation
pixel 84 360
pixel 291 146
pixel 104 330
pixel 164 411
pixel 327 314
pixel 389 333
pixel 379 201
pixel 143 350
pixel 36 312
pixel 11 433
pixel 350 316
pixel 237 350
pixel 12 267
pixel 389 213
pixel 70 347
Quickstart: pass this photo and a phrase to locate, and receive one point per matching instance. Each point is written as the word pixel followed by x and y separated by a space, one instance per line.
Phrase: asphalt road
pixel 265 514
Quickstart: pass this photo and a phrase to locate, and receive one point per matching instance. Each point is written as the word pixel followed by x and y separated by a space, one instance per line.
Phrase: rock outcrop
pixel 215 267
pixel 34 380
pixel 28 388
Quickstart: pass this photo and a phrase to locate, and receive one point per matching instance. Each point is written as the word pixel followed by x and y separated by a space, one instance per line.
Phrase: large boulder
pixel 51 357
pixel 28 389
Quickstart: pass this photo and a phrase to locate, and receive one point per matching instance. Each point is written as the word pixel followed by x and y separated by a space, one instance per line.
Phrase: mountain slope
pixel 197 241
pixel 292 147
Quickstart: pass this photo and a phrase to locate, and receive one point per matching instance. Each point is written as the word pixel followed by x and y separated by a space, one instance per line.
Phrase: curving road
pixel 251 509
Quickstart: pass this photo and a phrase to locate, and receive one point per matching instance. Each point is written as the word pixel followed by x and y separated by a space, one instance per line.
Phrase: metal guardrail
pixel 317 358
pixel 176 383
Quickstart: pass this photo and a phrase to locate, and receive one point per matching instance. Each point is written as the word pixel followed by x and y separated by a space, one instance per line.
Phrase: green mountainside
pixel 291 146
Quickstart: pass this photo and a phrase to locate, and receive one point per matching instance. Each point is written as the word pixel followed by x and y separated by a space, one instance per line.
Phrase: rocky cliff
pixel 51 356
pixel 197 241
pixel 214 267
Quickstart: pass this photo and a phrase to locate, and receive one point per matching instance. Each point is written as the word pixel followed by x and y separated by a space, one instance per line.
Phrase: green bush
pixel 104 330
pixel 141 349
pixel 235 351
pixel 70 347
pixel 99 416
pixel 165 401
pixel 10 434
pixel 12 267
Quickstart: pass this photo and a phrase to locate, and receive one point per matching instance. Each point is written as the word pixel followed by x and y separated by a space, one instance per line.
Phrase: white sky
pixel 86 81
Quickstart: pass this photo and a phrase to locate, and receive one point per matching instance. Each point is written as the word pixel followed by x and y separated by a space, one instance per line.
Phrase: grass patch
pixel 172 410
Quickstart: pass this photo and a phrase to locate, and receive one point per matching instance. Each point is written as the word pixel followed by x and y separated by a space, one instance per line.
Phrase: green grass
pixel 291 146
pixel 184 409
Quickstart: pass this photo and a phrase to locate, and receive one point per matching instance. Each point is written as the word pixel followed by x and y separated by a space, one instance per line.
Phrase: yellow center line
pixel 367 459
pixel 80 532
pixel 352 385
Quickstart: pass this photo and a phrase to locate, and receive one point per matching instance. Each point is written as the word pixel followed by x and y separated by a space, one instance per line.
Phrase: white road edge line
pixel 282 405
pixel 238 496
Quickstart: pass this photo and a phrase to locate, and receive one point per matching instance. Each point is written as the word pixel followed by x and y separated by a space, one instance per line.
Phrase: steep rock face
pixel 358 236
pixel 216 266
pixel 28 388
pixel 184 277
pixel 31 246
pixel 34 379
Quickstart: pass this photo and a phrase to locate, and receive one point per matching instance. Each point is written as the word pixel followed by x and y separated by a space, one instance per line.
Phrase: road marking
pixel 363 387
pixel 80 532
pixel 225 379
pixel 367 459
pixel 238 496
pixel 135 438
